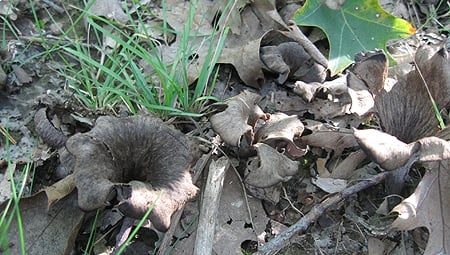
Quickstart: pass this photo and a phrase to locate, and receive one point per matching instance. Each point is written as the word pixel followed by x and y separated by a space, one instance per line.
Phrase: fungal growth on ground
pixel 133 163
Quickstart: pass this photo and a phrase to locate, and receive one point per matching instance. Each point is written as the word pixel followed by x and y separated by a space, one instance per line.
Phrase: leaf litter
pixel 287 139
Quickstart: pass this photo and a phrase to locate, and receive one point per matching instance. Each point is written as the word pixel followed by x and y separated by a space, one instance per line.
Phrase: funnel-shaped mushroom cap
pixel 137 161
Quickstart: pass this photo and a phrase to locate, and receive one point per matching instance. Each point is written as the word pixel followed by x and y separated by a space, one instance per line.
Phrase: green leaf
pixel 352 27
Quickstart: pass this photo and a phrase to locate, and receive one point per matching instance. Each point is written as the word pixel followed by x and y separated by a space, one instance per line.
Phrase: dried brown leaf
pixel 5 184
pixel 370 72
pixel 234 210
pixel 235 124
pixel 344 169
pixel 362 101
pixel 286 102
pixel 178 16
pixel 429 206
pixel 60 189
pixel 235 20
pixel 46 230
pixel 202 23
pixel 334 99
pixel 330 185
pixel 22 76
pixel 110 9
pixel 269 167
pixel 245 58
pixel 271 194
pixel 325 136
pixel 241 48
pixel 279 130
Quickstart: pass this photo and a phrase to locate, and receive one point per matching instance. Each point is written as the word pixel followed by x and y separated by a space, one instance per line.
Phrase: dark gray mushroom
pixel 136 163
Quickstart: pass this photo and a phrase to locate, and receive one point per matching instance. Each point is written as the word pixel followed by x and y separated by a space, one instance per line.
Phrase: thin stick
pixel 290 202
pixel 283 239
pixel 244 192
pixel 210 206
pixel 56 7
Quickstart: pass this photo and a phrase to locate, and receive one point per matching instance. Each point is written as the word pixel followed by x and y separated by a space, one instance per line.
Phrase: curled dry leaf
pixel 362 101
pixel 269 167
pixel 235 124
pixel 22 77
pixel 330 185
pixel 345 168
pixel 307 91
pixel 126 159
pixel 279 131
pixel 60 189
pixel 328 137
pixel 429 205
pixel 271 194
pixel 245 58
pixel 370 71
pixel 335 141
pixel 405 109
pixel 286 102
pixel 234 207
pixel 326 100
pixel 177 17
pixel 241 47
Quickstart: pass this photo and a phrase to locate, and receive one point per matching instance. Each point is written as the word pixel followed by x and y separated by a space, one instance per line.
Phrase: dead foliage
pixel 316 155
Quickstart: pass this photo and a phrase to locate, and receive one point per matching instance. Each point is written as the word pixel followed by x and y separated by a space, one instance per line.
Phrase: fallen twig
pixel 210 206
pixel 283 239
pixel 244 193
pixel 53 5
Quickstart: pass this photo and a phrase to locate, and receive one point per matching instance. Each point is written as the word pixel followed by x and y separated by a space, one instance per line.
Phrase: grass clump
pixel 134 71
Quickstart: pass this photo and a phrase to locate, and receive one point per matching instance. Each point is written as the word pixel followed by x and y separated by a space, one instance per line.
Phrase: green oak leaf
pixel 352 26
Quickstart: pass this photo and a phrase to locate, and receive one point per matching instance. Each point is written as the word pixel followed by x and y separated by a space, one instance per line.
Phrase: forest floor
pixel 318 115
